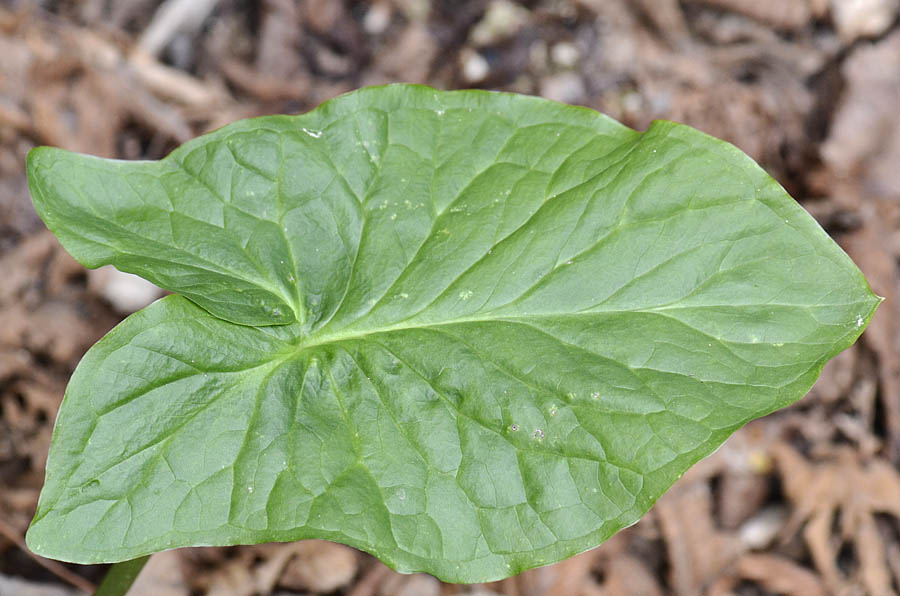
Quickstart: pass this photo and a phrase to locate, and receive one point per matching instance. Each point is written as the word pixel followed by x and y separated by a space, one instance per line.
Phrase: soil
pixel 803 502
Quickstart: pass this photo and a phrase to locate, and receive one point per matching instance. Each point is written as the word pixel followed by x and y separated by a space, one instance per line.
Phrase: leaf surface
pixel 471 333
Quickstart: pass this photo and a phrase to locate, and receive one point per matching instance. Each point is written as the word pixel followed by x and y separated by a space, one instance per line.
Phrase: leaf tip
pixel 41 158
pixel 38 163
pixel 35 155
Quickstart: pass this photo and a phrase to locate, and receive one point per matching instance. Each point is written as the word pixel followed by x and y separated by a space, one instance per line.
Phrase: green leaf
pixel 470 333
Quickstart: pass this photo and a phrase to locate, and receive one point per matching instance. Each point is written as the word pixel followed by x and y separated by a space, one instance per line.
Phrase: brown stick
pixel 53 567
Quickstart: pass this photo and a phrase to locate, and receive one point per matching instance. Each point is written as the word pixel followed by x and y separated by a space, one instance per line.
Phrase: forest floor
pixel 801 503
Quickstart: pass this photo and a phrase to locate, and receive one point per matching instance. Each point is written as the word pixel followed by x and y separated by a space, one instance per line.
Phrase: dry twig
pixel 52 566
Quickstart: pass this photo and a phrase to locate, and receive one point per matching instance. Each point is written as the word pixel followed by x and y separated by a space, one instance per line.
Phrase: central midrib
pixel 314 341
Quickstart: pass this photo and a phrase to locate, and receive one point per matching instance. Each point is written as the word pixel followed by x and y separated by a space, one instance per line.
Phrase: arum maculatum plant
pixel 470 333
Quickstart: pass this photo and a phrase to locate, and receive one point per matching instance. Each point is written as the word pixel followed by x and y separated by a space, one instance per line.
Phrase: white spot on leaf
pixel 313 133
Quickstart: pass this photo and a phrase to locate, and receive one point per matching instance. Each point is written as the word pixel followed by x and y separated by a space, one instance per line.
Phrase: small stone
pixel 126 293
pixel 863 18
pixel 475 67
pixel 566 87
pixel 759 531
pixel 377 18
pixel 501 20
pixel 565 54
pixel 632 102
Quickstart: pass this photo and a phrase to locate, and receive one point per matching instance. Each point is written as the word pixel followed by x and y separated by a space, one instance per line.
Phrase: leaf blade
pixel 505 327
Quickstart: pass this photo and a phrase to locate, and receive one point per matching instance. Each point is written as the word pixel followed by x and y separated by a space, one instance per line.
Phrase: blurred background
pixel 802 503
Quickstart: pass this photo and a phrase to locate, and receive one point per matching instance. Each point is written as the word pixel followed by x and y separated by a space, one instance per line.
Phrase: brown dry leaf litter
pixel 836 501
pixel 804 502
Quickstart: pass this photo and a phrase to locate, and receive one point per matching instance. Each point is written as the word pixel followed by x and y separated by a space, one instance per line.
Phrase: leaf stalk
pixel 121 576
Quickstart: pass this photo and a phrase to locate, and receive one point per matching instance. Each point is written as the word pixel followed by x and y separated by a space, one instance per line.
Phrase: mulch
pixel 803 502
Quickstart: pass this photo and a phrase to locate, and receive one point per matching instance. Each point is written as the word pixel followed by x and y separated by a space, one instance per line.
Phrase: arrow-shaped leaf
pixel 470 333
